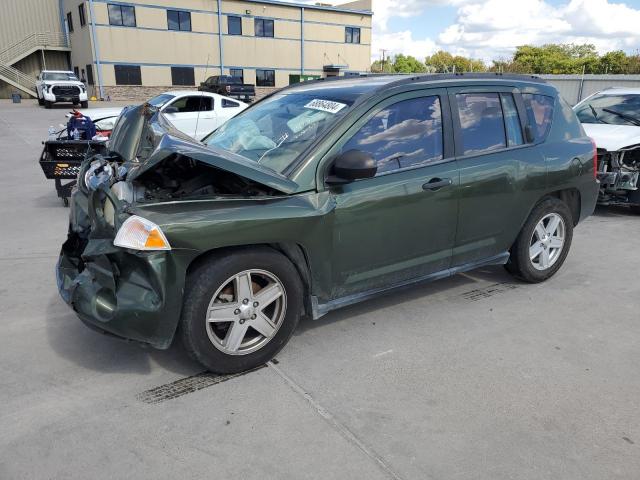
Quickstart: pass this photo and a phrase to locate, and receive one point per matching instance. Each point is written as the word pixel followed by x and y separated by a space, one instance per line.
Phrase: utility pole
pixel 383 52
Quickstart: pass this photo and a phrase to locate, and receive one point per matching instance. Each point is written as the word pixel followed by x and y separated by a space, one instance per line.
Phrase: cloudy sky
pixel 491 29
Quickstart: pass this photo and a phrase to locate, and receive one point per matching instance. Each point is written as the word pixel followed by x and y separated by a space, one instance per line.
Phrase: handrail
pixel 38 39
pixel 18 76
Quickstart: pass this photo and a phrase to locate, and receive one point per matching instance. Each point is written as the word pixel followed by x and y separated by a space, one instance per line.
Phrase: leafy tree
pixel 408 64
pixel 444 62
pixel 614 62
pixel 379 67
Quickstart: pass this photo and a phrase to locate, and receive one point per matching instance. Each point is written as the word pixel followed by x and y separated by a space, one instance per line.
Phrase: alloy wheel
pixel 246 312
pixel 547 241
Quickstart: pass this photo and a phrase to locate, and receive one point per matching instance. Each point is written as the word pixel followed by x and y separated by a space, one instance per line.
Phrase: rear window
pixel 539 114
pixel 481 121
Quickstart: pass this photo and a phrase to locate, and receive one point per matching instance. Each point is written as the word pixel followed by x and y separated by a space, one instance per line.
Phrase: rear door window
pixel 511 120
pixel 405 134
pixel 539 114
pixel 481 122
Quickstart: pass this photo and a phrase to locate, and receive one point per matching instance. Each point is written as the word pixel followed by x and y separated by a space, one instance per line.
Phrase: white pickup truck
pixel 54 86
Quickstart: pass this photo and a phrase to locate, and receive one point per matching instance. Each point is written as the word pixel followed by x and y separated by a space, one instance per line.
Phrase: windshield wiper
pixel 595 114
pixel 628 118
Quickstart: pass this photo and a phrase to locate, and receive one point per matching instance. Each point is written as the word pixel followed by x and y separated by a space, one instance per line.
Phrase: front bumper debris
pixel 116 290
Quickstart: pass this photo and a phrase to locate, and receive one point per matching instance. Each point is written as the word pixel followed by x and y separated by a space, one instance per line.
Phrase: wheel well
pixel 571 197
pixel 294 252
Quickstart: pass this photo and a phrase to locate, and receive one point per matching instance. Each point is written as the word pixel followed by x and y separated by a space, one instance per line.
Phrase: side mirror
pixel 529 137
pixel 350 166
pixel 170 110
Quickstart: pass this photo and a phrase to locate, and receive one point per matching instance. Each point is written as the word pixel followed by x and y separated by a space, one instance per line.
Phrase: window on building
pixel 193 103
pixel 511 120
pixel 76 71
pixel 481 121
pixel 351 35
pixel 179 20
pixel 237 73
pixel 539 114
pixel 265 78
pixel 128 74
pixel 122 15
pixel 402 135
pixel 83 19
pixel 90 74
pixel 182 76
pixel 264 27
pixel 69 21
pixel 234 25
pixel 226 103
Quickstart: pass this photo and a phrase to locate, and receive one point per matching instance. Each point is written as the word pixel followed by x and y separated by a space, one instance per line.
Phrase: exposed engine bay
pixel 619 175
pixel 176 177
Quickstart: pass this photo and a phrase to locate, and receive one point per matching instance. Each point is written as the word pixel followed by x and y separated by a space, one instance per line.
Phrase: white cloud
pixel 492 29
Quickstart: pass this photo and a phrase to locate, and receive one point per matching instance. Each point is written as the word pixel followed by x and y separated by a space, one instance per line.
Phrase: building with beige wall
pixel 134 49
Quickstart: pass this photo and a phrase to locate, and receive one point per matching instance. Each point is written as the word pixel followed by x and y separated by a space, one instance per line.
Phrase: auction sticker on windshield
pixel 325 105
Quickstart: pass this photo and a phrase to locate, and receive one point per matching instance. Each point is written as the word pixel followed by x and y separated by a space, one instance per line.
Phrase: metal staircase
pixel 22 49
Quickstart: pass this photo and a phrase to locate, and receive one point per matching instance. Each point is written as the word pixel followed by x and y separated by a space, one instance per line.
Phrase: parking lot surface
pixel 474 377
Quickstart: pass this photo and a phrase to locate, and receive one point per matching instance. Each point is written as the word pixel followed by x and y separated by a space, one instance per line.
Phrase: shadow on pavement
pixel 74 341
pixel 491 275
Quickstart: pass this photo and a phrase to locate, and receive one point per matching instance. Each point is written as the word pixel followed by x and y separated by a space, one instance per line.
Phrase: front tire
pixel 543 243
pixel 40 101
pixel 240 308
pixel 48 104
pixel 84 104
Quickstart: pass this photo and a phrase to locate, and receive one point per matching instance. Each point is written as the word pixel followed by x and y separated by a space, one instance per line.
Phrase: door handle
pixel 437 183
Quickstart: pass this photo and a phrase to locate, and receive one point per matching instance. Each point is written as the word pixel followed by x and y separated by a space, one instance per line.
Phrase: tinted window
pixel 511 120
pixel 352 35
pixel 59 76
pixel 193 103
pixel 127 75
pixel 237 74
pixel 70 22
pixel 613 109
pixel 539 114
pixel 122 15
pixel 481 121
pixel 402 135
pixel 264 27
pixel 89 74
pixel 229 103
pixel 83 20
pixel 179 20
pixel 265 78
pixel 182 76
pixel 234 25
pixel 76 71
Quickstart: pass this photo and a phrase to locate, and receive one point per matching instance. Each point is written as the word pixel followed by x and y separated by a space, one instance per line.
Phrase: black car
pixel 229 86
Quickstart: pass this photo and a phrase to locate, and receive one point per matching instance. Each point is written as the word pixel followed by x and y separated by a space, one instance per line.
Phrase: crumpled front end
pixel 135 295
pixel 619 176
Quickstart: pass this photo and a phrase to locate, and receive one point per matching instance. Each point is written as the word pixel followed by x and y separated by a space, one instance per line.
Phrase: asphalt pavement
pixel 474 377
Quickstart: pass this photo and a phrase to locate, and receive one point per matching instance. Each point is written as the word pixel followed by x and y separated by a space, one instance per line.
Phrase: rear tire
pixel 543 243
pixel 224 293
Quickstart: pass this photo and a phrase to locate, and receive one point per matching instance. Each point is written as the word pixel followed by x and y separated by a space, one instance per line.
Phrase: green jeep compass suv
pixel 318 196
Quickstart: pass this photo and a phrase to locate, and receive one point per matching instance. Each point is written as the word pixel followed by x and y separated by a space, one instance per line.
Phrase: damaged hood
pixel 145 138
pixel 612 137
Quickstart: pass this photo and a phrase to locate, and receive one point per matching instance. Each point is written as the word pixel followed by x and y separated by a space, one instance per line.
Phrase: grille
pixel 65 90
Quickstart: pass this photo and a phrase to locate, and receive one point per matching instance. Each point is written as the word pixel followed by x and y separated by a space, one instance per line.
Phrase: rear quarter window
pixel 539 114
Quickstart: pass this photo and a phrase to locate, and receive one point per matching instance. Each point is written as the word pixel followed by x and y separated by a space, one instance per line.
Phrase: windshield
pixel 277 130
pixel 59 76
pixel 612 109
pixel 160 100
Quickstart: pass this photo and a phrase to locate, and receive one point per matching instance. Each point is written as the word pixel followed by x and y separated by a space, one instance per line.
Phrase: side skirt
pixel 321 309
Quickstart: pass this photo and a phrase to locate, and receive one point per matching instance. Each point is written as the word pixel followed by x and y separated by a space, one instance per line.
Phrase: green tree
pixel 614 62
pixel 408 64
pixel 444 62
pixel 556 59
pixel 379 67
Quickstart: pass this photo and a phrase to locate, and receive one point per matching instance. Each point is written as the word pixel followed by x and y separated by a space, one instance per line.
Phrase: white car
pixel 186 109
pixel 612 119
pixel 55 86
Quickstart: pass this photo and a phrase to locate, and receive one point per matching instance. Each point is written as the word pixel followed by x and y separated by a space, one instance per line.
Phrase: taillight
pixel 595 159
pixel 228 88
